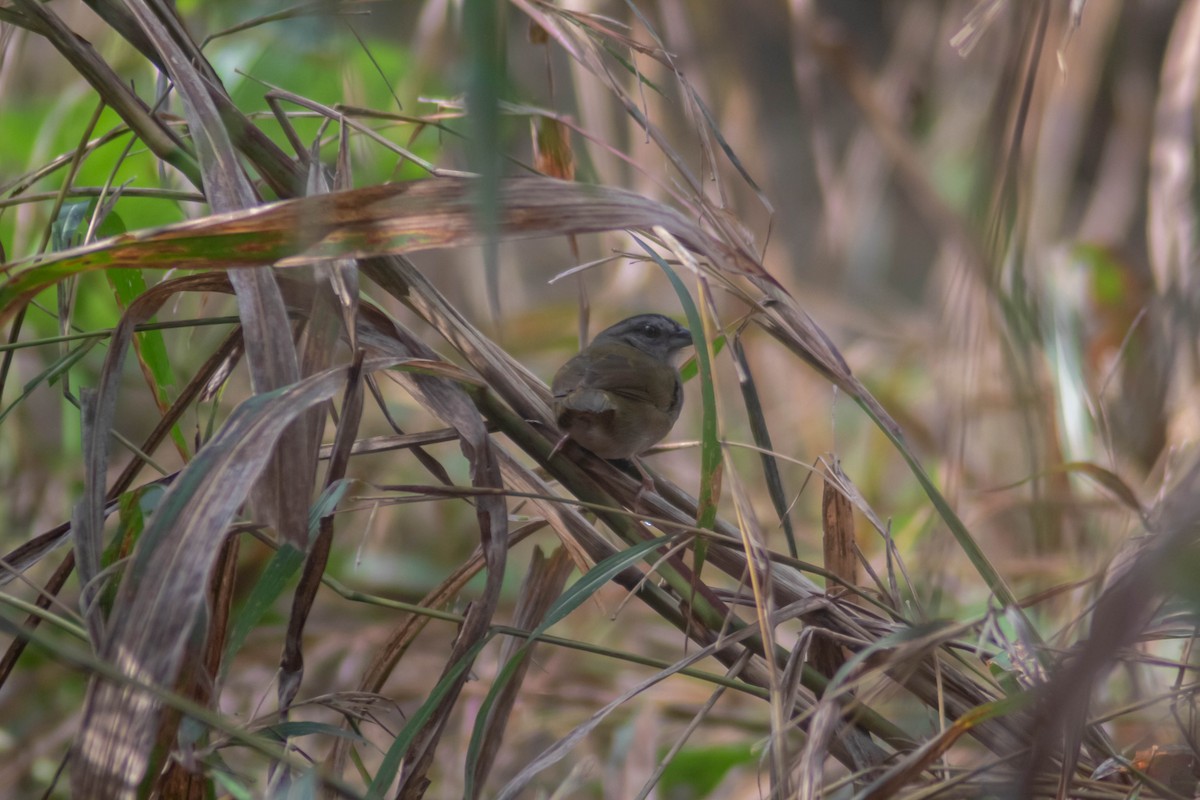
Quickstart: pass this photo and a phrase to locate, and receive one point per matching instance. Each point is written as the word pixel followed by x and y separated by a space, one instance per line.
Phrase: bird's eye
pixel 651 331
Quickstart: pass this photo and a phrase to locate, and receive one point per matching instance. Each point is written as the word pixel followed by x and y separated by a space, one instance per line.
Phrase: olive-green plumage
pixel 622 394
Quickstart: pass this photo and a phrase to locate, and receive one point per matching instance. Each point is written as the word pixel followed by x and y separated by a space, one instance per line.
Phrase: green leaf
pixel 696 771
pixel 395 754
pixel 65 231
pixel 279 572
pixel 710 444
pixel 133 508
pixel 129 284
pixel 235 788
pixel 287 730
pixel 762 439
pixel 51 374
pixel 71 224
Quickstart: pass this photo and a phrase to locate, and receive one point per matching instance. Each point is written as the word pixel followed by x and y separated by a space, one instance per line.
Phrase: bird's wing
pixel 632 375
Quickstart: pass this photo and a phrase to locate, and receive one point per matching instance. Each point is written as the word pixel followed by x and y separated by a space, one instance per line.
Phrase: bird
pixel 622 393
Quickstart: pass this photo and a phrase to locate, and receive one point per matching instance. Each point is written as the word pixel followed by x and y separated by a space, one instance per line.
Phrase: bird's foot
pixel 647 486
pixel 558 446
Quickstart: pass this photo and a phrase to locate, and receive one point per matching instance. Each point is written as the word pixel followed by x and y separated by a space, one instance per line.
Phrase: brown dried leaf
pixel 159 601
pixel 837 526
pixel 552 155
pixel 543 583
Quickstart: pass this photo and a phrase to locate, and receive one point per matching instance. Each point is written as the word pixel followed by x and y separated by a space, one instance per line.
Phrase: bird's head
pixel 654 334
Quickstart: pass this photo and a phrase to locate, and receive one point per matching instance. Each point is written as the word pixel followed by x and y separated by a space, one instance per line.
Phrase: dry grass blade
pixel 696 723
pixel 559 749
pixel 762 438
pixel 225 186
pixel 286 483
pixel 379 220
pixel 958 692
pixel 837 517
pixel 401 638
pixel 1171 213
pixel 30 553
pixel 1120 615
pixel 760 571
pixel 291 662
pixel 542 585
pixel 157 606
pixel 451 403
pixel 197 677
pixel 88 518
pixel 908 771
